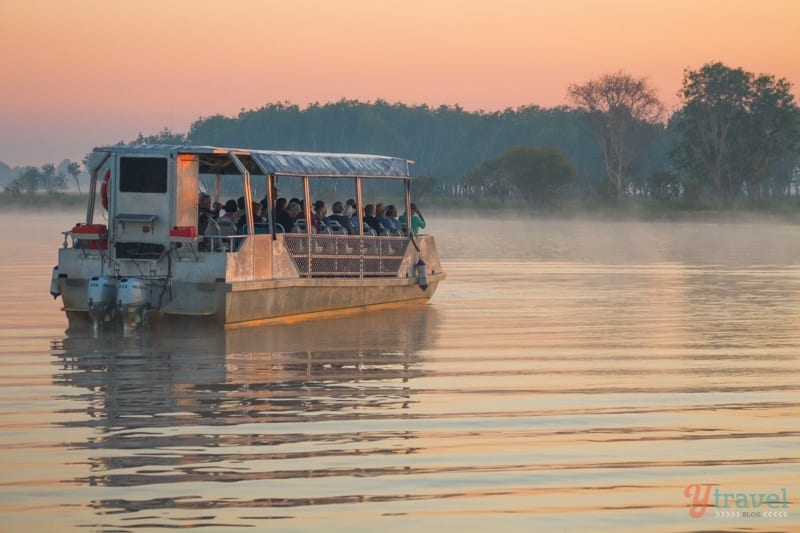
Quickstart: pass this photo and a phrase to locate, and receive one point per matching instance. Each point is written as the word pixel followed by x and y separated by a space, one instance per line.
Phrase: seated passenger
pixel 287 216
pixel 240 212
pixel 280 205
pixel 339 216
pixel 351 213
pixel 205 216
pixel 301 203
pixel 370 220
pixel 380 214
pixel 319 216
pixel 226 226
pixel 257 219
pixel 230 208
pixel 391 216
pixel 417 220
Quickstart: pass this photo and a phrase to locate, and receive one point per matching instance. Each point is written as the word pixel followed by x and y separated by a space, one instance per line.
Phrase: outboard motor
pixel 422 276
pixel 101 293
pixel 133 302
pixel 55 290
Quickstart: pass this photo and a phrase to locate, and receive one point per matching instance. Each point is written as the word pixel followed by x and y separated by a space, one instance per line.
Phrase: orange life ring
pixel 104 188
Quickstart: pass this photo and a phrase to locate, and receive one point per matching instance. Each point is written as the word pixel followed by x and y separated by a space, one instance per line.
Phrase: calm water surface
pixel 567 376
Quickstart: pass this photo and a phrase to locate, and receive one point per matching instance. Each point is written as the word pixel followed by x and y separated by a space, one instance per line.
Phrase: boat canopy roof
pixel 216 160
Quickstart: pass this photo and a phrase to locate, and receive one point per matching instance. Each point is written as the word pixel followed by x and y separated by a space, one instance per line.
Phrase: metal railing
pixel 322 255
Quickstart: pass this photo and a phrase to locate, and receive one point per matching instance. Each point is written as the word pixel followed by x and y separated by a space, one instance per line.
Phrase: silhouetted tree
pixel 735 127
pixel 30 180
pixel 538 174
pixel 619 108
pixel 165 136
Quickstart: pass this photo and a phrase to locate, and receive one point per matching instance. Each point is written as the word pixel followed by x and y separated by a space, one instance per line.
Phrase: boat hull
pixel 253 303
pixel 282 299
pixel 220 288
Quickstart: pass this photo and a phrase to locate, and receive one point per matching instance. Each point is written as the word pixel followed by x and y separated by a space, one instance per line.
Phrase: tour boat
pixel 149 261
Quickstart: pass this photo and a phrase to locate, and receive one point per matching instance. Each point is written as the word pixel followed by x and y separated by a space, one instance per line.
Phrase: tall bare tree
pixel 621 110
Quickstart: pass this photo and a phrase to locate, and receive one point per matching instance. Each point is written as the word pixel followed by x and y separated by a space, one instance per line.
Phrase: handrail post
pixel 309 225
pixel 271 203
pixel 248 195
pixel 408 207
pixel 359 208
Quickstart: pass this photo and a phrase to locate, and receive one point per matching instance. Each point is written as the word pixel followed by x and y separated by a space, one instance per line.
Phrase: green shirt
pixel 416 222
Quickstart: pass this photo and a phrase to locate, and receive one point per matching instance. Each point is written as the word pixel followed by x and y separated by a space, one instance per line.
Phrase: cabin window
pixel 143 174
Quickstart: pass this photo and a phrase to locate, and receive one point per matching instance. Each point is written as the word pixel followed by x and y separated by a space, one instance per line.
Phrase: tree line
pixel 734 136
pixel 47 178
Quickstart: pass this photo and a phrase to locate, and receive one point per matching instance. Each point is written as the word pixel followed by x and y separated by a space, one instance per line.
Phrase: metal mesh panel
pixel 346 255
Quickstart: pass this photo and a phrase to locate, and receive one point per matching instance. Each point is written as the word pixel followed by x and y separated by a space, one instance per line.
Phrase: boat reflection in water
pixel 167 418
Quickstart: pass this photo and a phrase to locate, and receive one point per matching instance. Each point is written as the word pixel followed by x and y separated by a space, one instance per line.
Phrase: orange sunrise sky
pixel 81 73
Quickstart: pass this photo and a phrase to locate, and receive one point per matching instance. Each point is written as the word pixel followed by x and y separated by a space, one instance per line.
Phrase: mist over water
pixel 568 375
pixel 626 242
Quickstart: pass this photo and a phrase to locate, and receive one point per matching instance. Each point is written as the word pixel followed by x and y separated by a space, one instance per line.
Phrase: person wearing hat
pixel 351 211
pixel 417 220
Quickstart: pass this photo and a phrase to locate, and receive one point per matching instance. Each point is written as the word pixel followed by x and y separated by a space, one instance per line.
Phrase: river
pixel 568 375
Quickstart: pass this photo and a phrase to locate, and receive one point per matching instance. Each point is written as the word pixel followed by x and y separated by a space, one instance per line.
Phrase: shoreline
pixel 784 211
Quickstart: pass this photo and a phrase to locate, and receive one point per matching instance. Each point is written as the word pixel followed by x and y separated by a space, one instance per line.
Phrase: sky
pixel 82 73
